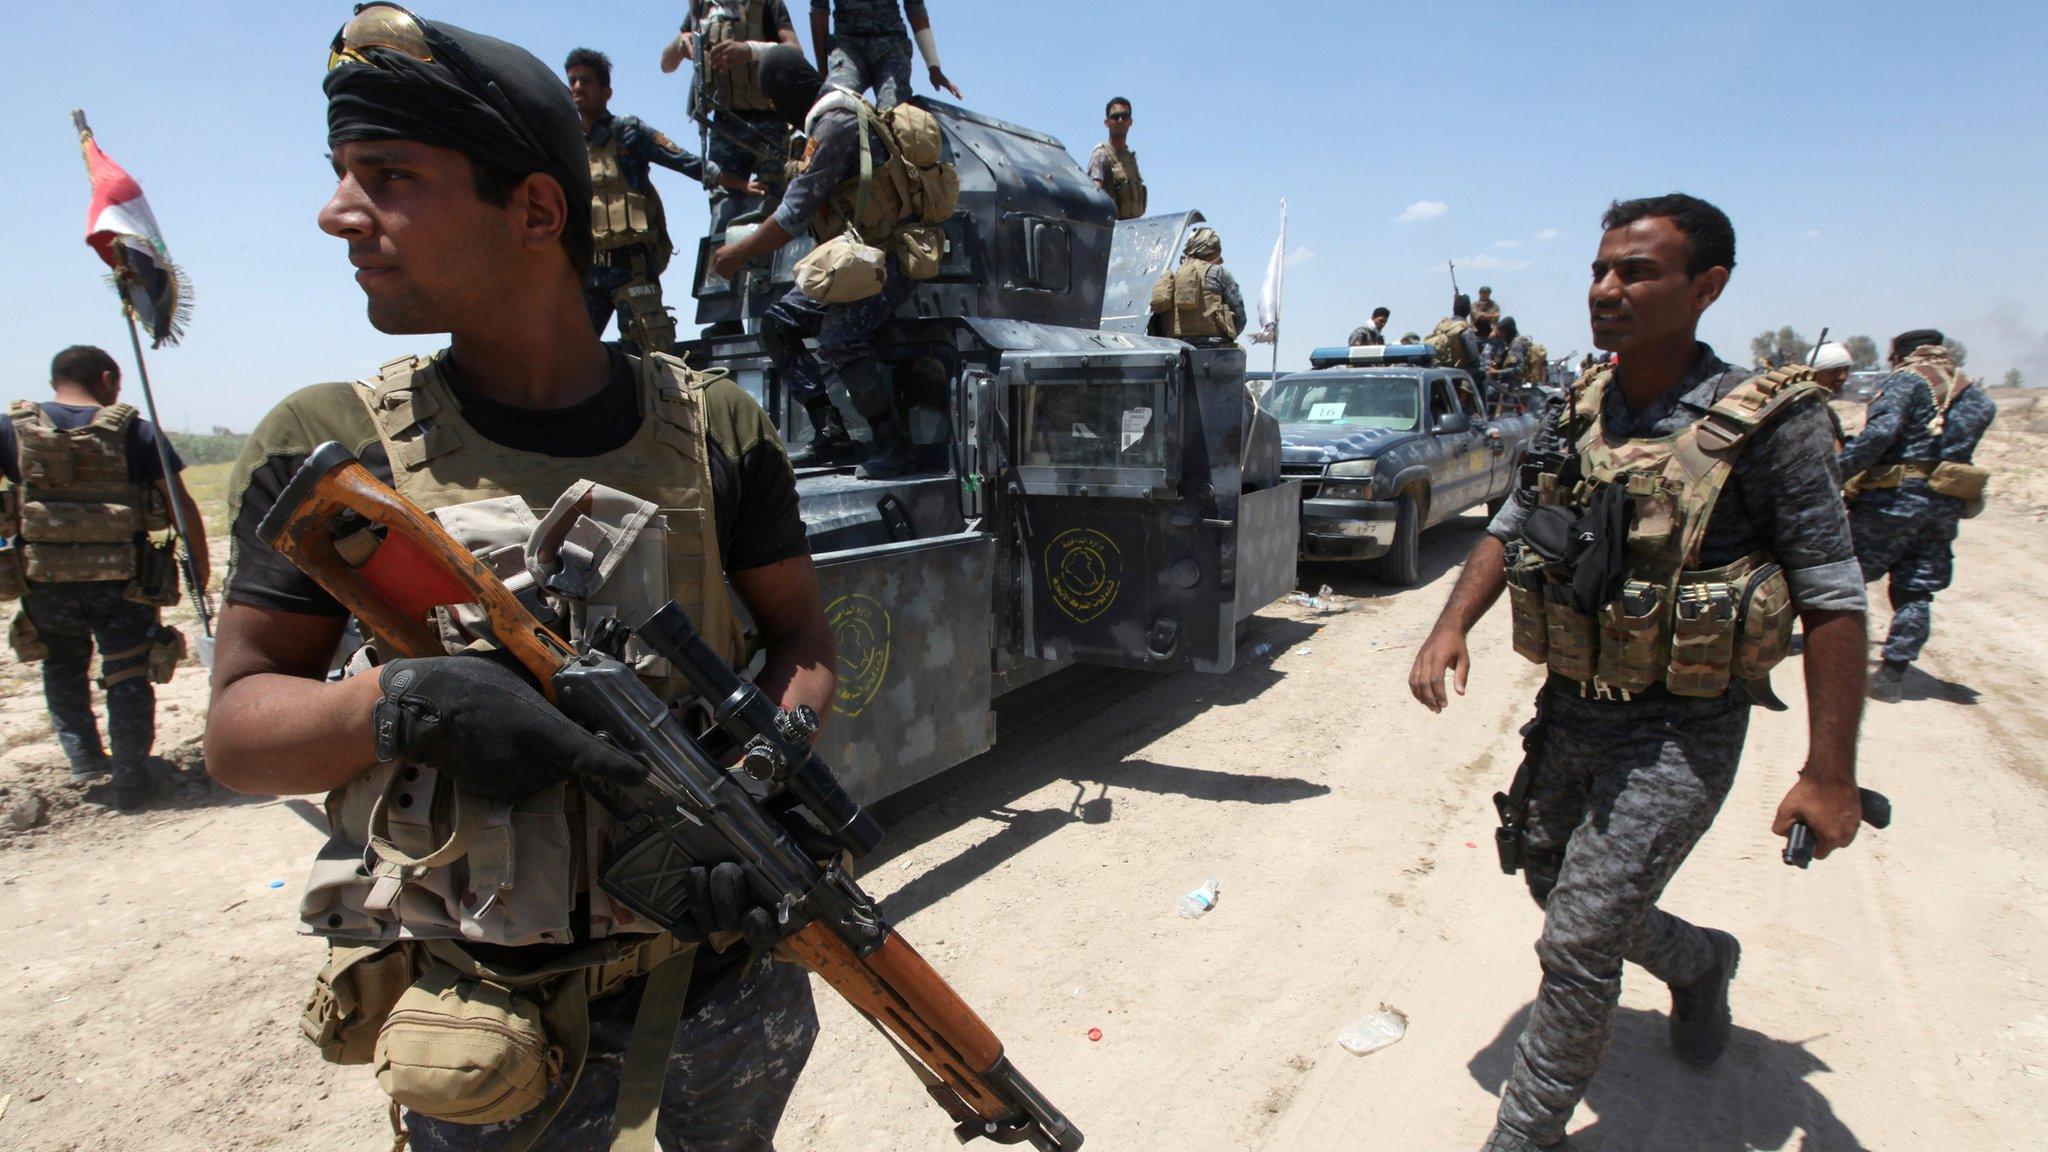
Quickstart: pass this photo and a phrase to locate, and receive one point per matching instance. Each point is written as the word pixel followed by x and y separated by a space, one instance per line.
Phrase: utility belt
pixel 1944 478
pixel 1694 634
pixel 471 1040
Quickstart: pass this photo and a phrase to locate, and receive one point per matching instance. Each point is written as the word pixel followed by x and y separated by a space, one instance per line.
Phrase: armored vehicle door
pixel 1123 492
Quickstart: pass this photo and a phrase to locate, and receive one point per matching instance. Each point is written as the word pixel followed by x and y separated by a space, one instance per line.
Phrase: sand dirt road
pixel 1890 998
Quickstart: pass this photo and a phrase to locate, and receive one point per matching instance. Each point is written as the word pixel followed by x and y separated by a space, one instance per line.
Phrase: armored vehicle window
pixel 1111 423
pixel 1390 402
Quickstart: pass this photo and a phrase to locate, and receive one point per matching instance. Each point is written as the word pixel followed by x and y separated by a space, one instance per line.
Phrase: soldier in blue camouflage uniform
pixel 1905 531
pixel 862 46
pixel 744 136
pixel 1621 787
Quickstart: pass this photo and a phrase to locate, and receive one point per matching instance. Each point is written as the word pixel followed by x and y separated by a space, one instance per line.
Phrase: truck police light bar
pixel 1370 355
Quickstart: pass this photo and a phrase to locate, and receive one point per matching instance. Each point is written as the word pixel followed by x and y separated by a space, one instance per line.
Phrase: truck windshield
pixel 1111 423
pixel 1392 402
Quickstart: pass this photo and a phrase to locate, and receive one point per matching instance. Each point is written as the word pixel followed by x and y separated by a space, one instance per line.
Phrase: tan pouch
pixel 1653 531
pixel 842 270
pixel 1573 637
pixel 1702 639
pixel 156 575
pixel 166 651
pixel 1634 637
pixel 21 636
pixel 352 996
pixel 920 250
pixel 1764 636
pixel 465 1050
pixel 1525 607
pixel 1965 482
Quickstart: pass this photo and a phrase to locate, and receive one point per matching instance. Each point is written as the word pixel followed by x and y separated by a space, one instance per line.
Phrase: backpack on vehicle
pixel 1447 345
pixel 926 183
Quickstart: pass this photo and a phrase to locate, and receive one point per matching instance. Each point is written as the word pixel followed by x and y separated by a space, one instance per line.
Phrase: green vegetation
pixel 219 446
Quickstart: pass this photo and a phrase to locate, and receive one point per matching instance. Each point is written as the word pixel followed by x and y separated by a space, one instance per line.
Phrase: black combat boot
pixel 1888 681
pixel 829 444
pixel 1504 1140
pixel 1700 1020
pixel 893 454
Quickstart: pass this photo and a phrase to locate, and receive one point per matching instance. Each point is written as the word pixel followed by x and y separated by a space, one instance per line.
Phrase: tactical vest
pixel 1673 623
pixel 738 89
pixel 620 214
pixel 1447 343
pixel 1192 311
pixel 553 841
pixel 1126 184
pixel 81 516
pixel 1963 481
pixel 1535 364
pixel 912 182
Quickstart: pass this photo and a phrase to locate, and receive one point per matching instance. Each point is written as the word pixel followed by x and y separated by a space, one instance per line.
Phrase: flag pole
pixel 173 484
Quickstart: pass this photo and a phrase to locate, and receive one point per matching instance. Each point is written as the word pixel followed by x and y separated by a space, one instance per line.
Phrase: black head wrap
pixel 492 101
pixel 790 83
pixel 1506 327
pixel 1461 305
pixel 1905 342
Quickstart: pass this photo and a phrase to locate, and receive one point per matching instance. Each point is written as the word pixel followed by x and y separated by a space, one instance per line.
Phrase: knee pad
pixel 782 340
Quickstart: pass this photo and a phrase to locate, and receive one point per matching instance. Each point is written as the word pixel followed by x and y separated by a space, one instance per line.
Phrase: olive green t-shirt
pixel 753 493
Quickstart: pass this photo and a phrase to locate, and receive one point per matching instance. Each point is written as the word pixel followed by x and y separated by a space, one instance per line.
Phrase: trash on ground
pixel 1304 650
pixel 1261 648
pixel 277 883
pixel 1095 1034
pixel 1196 904
pixel 1374 1031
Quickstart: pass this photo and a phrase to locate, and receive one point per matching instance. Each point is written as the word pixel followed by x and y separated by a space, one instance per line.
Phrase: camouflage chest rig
pixel 1126 184
pixel 738 89
pixel 80 516
pixel 630 224
pixel 1692 630
pixel 415 872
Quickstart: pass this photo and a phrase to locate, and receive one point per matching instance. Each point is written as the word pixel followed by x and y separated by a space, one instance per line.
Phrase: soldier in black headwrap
pixel 464 196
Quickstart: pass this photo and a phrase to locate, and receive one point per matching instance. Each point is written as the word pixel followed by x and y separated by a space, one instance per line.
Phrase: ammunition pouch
pixel 1965 482
pixel 1525 606
pixel 843 270
pixel 21 636
pixel 1733 622
pixel 920 250
pixel 156 575
pixel 166 651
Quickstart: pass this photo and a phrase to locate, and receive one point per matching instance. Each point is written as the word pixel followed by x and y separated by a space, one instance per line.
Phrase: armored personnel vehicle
pixel 1085 492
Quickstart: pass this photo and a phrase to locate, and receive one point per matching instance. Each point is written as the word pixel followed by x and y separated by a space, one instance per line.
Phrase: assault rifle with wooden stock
pixel 391 564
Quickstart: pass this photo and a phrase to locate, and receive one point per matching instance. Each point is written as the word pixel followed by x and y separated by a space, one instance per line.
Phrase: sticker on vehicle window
pixel 1084 432
pixel 1136 420
pixel 1329 411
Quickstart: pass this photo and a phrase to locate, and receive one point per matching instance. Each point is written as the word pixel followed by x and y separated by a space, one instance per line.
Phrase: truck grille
pixel 1310 475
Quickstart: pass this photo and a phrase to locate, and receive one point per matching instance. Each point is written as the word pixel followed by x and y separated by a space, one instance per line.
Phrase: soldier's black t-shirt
pixel 144 467
pixel 753 492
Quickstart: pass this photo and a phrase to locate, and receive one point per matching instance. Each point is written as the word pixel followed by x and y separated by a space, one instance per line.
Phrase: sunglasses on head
pixel 379 25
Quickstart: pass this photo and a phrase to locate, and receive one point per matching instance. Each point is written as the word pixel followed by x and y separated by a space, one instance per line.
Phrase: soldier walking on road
pixel 1114 167
pixel 1198 302
pixel 1911 483
pixel 862 47
pixel 628 226
pixel 1641 721
pixel 1375 333
pixel 88 485
pixel 745 134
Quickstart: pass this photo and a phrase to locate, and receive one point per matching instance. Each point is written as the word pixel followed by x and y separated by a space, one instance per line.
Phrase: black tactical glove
pixel 721 901
pixel 486 726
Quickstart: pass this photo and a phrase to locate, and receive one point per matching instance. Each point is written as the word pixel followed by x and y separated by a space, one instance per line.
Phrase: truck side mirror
pixel 1452 424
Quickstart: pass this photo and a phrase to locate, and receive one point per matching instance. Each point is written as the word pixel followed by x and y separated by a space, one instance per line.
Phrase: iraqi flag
pixel 120 227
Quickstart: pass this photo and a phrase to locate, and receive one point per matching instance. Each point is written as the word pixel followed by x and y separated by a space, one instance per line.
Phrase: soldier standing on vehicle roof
pixel 1114 167
pixel 1912 483
pixel 1485 307
pixel 829 189
pixel 1199 301
pixel 628 227
pixel 1511 366
pixel 88 484
pixel 1453 342
pixel 862 47
pixel 1635 744
pixel 745 133
pixel 1375 333
pixel 462 193
pixel 1831 364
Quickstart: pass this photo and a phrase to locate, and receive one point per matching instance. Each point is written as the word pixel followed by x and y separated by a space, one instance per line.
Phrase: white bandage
pixel 928 47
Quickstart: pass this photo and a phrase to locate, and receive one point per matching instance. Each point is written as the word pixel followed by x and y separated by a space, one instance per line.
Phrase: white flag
pixel 1269 296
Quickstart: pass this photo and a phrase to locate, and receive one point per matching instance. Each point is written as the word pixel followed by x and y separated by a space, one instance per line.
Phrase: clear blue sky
pixel 1883 162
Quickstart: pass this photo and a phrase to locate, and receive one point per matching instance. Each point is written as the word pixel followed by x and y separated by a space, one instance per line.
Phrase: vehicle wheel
pixel 1403 562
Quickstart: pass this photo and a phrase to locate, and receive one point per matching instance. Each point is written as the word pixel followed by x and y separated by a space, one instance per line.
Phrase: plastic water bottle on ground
pixel 1374 1031
pixel 1196 904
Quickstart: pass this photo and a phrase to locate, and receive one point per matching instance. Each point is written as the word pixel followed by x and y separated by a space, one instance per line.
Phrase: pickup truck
pixel 1385 445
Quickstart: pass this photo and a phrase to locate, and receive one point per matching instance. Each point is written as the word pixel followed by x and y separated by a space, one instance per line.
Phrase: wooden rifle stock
pixel 391 565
